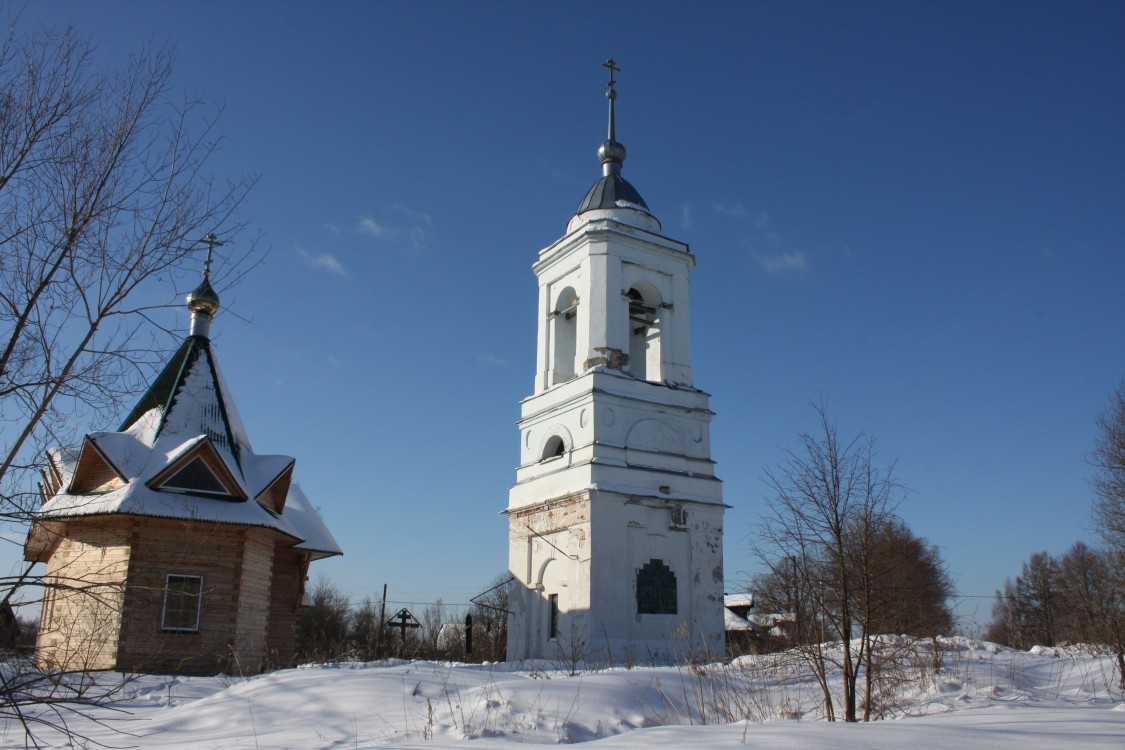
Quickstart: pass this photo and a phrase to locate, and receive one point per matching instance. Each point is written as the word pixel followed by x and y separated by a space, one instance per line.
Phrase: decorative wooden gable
pixel 52 479
pixel 94 471
pixel 200 471
pixel 273 496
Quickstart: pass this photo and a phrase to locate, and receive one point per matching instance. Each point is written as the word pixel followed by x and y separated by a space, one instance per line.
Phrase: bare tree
pixel 830 502
pixel 322 633
pixel 365 633
pixel 906 587
pixel 1109 514
pixel 1077 598
pixel 104 196
pixel 103 199
pixel 490 619
pixel 1109 479
pixel 431 620
pixel 1030 605
pixel 793 588
pixel 1093 594
pixel 903 589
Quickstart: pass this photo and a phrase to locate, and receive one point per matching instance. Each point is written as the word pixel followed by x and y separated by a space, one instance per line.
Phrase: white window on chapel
pixel 182 597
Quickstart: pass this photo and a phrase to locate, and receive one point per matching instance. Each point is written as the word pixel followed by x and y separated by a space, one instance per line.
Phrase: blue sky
pixel 913 210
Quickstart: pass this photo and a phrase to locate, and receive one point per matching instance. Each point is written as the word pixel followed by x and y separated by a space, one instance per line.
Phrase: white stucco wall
pixel 601 261
pixel 592 566
pixel 618 432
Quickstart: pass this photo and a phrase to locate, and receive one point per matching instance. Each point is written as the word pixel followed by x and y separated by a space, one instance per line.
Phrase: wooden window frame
pixel 198 603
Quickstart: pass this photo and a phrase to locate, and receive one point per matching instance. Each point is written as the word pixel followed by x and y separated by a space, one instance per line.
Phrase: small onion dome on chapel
pixel 613 192
pixel 203 298
pixel 203 301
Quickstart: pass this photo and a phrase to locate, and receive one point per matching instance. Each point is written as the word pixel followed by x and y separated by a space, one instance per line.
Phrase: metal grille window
pixel 182 597
pixel 656 589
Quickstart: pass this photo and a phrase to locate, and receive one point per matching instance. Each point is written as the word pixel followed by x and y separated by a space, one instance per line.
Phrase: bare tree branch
pixel 104 196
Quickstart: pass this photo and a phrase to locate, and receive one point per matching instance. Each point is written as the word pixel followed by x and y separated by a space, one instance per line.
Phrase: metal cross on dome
pixel 212 243
pixel 612 69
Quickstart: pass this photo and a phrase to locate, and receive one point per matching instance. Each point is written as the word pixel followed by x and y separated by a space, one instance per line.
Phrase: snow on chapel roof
pixel 183 452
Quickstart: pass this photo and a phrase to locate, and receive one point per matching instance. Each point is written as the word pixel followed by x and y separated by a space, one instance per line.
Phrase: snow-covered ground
pixel 981 695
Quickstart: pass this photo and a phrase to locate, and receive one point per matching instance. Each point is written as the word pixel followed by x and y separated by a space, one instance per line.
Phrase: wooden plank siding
pixel 81 616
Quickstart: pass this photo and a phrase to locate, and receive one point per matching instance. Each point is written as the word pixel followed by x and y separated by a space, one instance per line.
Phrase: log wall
pixel 213 551
pixel 106 605
pixel 254 583
pixel 81 616
pixel 289 573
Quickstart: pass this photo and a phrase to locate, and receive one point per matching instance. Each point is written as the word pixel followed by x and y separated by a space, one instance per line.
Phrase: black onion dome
pixel 610 192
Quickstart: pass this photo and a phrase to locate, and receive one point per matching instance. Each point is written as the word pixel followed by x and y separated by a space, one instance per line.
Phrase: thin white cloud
pixel 323 261
pixel 735 211
pixel 329 263
pixel 410 213
pixel 332 229
pixel 398 223
pixel 488 359
pixel 783 262
pixel 685 216
pixel 417 236
pixel 366 225
pixel 766 246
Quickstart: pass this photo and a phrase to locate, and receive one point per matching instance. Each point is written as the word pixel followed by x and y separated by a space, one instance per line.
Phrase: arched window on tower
pixel 564 336
pixel 644 334
pixel 555 447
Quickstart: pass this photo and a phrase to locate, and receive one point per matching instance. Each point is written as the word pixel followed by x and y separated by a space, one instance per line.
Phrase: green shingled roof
pixel 164 390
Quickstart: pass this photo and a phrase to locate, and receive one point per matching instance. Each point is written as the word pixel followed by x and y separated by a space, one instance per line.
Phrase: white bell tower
pixel 615 519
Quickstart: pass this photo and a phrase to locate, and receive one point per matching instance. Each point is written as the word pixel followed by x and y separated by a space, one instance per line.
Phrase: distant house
pixel 777 626
pixel 739 605
pixel 749 630
pixel 740 633
pixel 170 545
